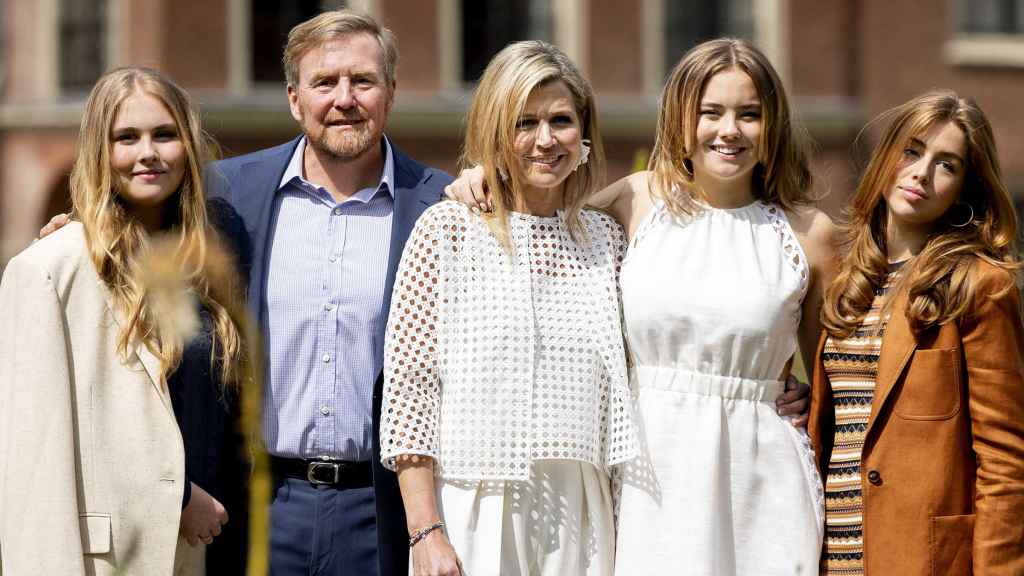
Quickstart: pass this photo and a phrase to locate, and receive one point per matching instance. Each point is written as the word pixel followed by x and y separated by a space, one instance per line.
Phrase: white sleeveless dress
pixel 723 484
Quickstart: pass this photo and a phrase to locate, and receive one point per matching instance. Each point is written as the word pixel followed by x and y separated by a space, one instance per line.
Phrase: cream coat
pixel 91 458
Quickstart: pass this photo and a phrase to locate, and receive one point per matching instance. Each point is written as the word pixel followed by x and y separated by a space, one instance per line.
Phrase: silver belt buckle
pixel 314 466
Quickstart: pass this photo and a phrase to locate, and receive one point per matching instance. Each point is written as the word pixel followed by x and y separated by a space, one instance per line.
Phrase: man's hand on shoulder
pixel 55 223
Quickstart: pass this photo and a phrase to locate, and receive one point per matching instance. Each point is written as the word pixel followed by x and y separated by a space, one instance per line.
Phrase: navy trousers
pixel 322 531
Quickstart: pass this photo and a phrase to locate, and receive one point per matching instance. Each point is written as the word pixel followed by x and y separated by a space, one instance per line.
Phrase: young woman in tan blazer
pixel 917 411
pixel 93 473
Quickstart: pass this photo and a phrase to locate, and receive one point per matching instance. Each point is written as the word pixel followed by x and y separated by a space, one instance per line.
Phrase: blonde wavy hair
pixel 782 174
pixel 118 243
pixel 937 281
pixel 498 103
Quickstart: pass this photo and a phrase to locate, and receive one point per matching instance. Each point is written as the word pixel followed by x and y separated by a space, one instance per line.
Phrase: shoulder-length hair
pixel 782 174
pixel 937 281
pixel 117 241
pixel 498 102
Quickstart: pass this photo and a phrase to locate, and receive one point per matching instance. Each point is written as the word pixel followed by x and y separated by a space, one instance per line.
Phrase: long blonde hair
pixel 117 242
pixel 938 282
pixel 498 102
pixel 782 174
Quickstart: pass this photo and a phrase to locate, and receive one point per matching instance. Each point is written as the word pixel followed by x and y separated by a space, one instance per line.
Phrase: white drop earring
pixel 584 153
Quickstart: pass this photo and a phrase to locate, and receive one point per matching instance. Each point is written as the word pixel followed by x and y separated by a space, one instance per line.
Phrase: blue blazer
pixel 241 193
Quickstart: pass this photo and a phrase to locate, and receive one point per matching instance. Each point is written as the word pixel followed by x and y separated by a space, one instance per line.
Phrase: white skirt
pixel 557 523
pixel 723 486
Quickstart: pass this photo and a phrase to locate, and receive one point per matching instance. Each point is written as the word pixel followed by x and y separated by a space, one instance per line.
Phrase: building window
pixel 991 17
pixel 989 33
pixel 690 22
pixel 83 57
pixel 270 22
pixel 489 25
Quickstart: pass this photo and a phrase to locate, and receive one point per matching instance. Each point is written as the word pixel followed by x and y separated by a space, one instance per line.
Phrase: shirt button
pixel 875 478
pixel 326 357
pixel 337 211
pixel 328 306
pixel 333 258
pixel 325 410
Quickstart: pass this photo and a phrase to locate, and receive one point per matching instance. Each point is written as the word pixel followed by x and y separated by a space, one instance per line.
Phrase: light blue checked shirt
pixel 326 269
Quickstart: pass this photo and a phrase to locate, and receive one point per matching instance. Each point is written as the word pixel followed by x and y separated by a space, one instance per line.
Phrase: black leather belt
pixel 334 473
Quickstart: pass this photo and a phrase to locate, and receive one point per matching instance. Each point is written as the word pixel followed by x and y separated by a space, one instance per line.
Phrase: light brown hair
pixel 319 29
pixel 782 174
pixel 498 102
pixel 937 280
pixel 117 242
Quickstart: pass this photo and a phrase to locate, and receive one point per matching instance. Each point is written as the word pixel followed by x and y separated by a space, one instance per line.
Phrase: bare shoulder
pixel 634 200
pixel 817 233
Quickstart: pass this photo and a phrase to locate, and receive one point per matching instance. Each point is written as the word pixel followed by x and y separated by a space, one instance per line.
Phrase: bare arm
pixel 818 236
pixel 434 555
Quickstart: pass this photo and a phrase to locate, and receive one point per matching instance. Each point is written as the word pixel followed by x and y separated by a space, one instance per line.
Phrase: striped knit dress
pixel 852 366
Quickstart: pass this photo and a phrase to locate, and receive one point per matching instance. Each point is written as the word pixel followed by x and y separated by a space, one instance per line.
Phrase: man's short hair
pixel 319 29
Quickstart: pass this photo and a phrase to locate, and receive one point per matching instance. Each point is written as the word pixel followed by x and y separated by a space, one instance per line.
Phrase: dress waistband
pixel 687 381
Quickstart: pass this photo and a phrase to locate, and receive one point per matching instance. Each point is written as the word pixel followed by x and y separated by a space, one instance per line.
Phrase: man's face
pixel 342 98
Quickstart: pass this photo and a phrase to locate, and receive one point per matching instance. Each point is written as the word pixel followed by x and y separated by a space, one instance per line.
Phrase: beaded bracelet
pixel 421 533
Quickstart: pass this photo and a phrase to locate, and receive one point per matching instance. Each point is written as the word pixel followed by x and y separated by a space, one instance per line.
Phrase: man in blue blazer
pixel 320 223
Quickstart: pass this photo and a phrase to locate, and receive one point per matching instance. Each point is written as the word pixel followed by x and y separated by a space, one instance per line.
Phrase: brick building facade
pixel 843 61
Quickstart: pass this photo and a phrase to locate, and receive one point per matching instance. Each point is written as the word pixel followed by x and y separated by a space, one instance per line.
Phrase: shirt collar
pixel 387 176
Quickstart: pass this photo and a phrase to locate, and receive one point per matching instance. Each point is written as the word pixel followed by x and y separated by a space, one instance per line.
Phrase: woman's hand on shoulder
pixel 818 235
pixel 435 556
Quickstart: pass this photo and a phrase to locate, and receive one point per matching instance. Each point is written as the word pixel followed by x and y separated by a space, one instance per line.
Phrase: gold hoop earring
pixel 970 219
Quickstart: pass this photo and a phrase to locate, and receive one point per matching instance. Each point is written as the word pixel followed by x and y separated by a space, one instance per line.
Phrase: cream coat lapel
pixel 148 360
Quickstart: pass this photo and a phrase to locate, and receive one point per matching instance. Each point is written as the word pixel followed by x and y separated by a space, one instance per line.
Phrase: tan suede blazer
pixel 91 458
pixel 943 462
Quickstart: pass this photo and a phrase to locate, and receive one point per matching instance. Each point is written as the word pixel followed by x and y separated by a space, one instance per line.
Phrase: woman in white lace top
pixel 506 399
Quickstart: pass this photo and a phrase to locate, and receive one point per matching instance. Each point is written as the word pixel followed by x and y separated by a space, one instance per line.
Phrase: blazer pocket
pixel 95 528
pixel 951 539
pixel 931 389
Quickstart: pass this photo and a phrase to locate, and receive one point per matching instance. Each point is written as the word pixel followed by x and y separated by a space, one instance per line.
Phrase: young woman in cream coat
pixel 92 462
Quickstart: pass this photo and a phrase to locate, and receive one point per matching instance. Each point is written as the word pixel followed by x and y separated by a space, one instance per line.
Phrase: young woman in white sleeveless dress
pixel 724 276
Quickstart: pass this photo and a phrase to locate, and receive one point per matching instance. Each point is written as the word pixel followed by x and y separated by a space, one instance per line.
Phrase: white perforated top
pixel 494 359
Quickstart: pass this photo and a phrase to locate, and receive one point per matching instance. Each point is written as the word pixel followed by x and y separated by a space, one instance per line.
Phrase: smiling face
pixel 728 129
pixel 547 139
pixel 147 155
pixel 342 98
pixel 928 178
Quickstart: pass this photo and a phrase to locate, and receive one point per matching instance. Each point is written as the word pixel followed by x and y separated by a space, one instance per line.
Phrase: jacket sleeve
pixel 39 523
pixel 993 344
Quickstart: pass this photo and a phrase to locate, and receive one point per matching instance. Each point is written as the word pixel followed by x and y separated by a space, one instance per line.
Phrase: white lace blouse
pixel 495 358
